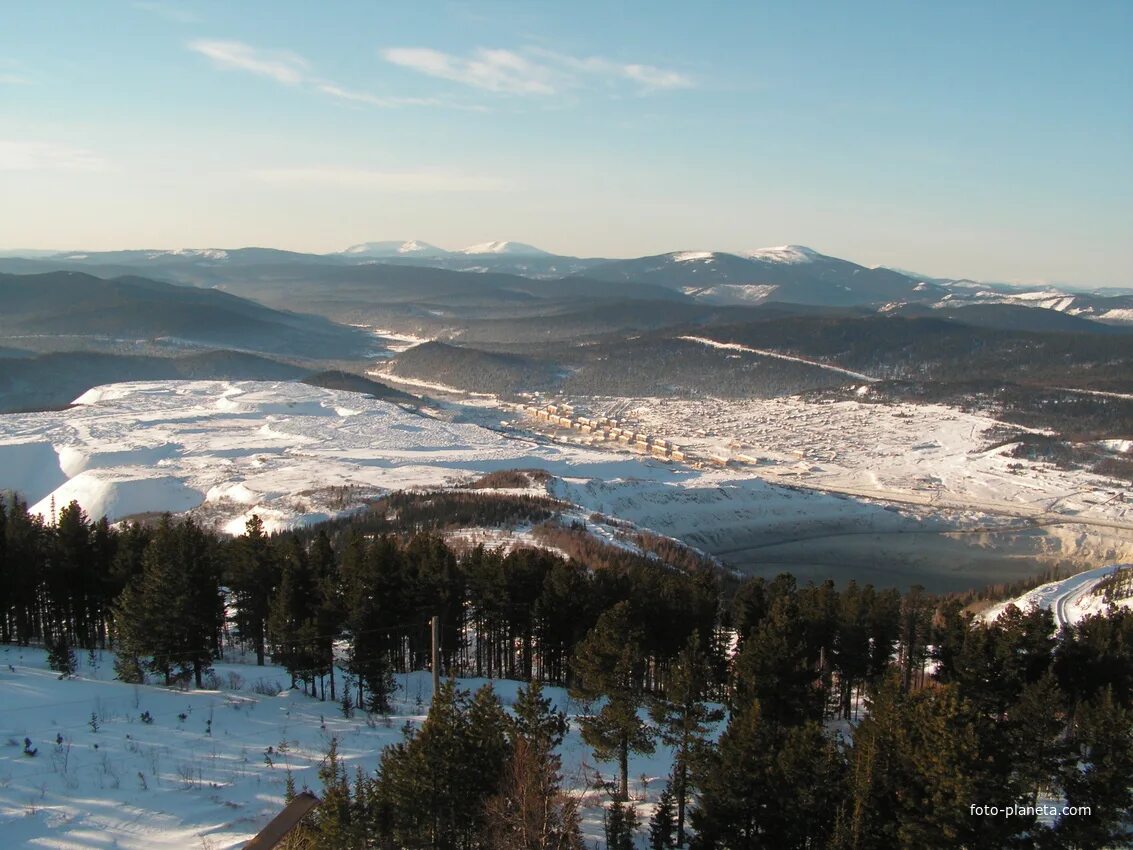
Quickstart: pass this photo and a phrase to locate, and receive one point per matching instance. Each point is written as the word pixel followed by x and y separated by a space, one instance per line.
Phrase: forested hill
pixel 74 304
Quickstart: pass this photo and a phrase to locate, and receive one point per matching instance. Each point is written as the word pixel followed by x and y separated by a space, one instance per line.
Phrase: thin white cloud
pixel 531 71
pixel 394 181
pixel 649 76
pixel 280 65
pixel 492 70
pixel 291 69
pixel 14 80
pixel 353 96
pixel 656 78
pixel 48 156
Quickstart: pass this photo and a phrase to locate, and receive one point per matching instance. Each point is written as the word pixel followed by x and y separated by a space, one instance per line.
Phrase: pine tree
pixel 372 602
pixel 768 786
pixel 172 613
pixel 432 789
pixel 684 722
pixel 293 617
pixel 774 670
pixel 608 663
pixel 915 633
pixel 252 578
pixel 1096 774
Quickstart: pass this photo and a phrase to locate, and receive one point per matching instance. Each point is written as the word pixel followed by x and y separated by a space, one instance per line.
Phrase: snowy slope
pixel 788 254
pixel 395 248
pixel 504 247
pixel 171 784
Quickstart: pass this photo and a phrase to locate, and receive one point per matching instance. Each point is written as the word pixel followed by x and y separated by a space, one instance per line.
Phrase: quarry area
pixel 897 493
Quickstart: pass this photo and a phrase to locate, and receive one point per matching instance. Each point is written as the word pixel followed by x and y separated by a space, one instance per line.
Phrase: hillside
pixel 74 304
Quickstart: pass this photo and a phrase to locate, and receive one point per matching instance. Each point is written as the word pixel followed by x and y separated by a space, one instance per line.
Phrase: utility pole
pixel 436 654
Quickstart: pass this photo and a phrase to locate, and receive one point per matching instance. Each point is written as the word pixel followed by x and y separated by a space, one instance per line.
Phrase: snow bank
pixel 116 495
pixel 31 469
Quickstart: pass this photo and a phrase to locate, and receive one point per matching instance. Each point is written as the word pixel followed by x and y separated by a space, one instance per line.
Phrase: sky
pixel 983 140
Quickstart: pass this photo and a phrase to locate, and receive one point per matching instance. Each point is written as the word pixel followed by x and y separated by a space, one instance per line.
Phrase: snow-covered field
pixel 885 481
pixel 230 449
pixel 929 454
pixel 1071 599
pixel 183 782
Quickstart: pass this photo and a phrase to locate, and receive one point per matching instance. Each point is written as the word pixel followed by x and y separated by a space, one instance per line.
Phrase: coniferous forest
pixel 797 716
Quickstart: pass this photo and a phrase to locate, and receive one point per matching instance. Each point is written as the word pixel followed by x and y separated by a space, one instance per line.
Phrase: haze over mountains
pixel 791 274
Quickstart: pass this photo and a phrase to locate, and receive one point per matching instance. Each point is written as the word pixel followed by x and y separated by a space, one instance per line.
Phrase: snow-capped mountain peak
pixel 692 256
pixel 504 247
pixel 787 254
pixel 203 253
pixel 395 248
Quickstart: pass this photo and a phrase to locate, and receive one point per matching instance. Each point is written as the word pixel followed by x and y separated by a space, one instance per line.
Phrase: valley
pixel 844 438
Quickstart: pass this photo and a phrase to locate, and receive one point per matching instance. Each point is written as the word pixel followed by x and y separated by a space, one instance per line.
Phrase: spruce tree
pixel 663 824
pixel 335 822
pixel 543 726
pixel 61 658
pixel 620 822
pixel 432 789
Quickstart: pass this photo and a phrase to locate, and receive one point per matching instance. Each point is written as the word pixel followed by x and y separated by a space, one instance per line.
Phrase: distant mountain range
pixel 787 274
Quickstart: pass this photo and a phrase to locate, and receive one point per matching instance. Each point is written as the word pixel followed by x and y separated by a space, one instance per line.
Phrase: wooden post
pixel 436 654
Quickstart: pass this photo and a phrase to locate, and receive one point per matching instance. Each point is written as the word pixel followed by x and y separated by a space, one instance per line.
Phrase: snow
pixel 30 468
pixel 796 469
pixel 786 254
pixel 120 493
pixel 1124 446
pixel 689 256
pixel 393 248
pixel 170 785
pixel 203 253
pixel 1072 599
pixel 732 292
pixel 861 446
pixel 512 248
pixel 1117 315
pixel 227 449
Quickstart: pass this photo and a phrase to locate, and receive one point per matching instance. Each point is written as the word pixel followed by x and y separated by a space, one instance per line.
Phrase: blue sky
pixel 991 140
